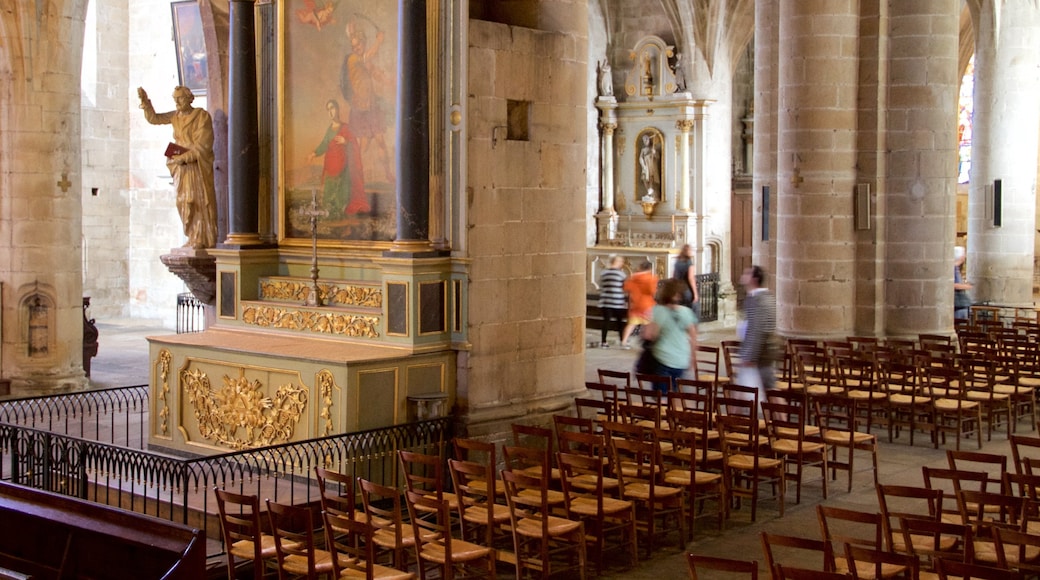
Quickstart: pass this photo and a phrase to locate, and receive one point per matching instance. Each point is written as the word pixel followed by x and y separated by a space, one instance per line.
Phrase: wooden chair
pixel 992 464
pixel 481 518
pixel 954 570
pixel 787 550
pixel 540 538
pixel 951 482
pixel 536 462
pixel 841 526
pixel 908 402
pixel 663 384
pixel 594 410
pixel 481 452
pixel 706 363
pixel 535 437
pixel 793 573
pixel 606 392
pixel 709 457
pixel 730 351
pixel 242 533
pixel 954 412
pixel 648 416
pixel 1018 550
pixel 856 377
pixel 293 528
pixel 745 458
pixel 565 423
pixel 679 468
pixel 931 540
pixel 788 439
pixel 899 503
pixel 622 380
pixel 585 490
pixel 353 550
pixel 839 429
pixel 436 548
pixel 729 567
pixel 980 379
pixel 637 466
pixel 693 395
pixel 337 493
pixel 876 563
pixel 385 514
pixel 425 473
pixel 1025 448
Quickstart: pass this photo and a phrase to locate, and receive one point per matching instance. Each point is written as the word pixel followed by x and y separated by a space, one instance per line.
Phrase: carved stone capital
pixel 197 268
pixel 607 128
pixel 684 125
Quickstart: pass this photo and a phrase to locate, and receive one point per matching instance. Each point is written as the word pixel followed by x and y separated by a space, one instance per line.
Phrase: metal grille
pixel 191 314
pixel 708 291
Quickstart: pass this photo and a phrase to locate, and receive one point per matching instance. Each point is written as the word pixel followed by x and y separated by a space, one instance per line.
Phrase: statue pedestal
pixel 197 268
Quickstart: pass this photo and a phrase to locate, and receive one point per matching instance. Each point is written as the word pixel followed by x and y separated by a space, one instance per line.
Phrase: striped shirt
pixel 611 292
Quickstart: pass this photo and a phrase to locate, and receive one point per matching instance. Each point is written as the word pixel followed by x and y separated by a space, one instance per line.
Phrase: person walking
pixel 757 349
pixel 640 287
pixel 612 301
pixel 673 332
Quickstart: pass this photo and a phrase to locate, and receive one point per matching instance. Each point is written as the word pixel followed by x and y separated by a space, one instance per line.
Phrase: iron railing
pixel 191 314
pixel 117 416
pixel 180 490
pixel 708 292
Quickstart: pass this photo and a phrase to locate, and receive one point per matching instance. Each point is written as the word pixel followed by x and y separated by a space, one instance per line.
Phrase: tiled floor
pixel 123 360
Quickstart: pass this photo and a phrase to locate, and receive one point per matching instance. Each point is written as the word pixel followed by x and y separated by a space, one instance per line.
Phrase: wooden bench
pixel 47 535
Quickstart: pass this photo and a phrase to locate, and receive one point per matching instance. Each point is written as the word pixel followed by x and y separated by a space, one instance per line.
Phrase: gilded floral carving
pixel 326 382
pixel 322 322
pixel 331 294
pixel 239 415
pixel 163 362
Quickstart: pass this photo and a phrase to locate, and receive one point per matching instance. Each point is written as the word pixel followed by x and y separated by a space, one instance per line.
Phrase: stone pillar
pixel 243 129
pixel 818 86
pixel 684 126
pixel 40 165
pixel 607 149
pixel 1004 147
pixel 767 50
pixel 413 130
pixel 910 162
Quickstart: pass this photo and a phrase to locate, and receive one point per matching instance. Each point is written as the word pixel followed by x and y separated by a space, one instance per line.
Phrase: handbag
pixel 646 363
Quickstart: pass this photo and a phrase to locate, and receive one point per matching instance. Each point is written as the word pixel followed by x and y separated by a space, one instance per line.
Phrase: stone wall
pixel 527 221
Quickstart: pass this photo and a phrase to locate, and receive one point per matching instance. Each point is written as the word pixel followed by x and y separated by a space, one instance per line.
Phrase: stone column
pixel 607 149
pixel 767 49
pixel 41 188
pixel 413 130
pixel 684 126
pixel 910 163
pixel 818 86
pixel 1004 147
pixel 243 129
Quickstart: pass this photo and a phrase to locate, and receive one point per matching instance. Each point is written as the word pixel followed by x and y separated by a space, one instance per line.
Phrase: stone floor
pixel 123 360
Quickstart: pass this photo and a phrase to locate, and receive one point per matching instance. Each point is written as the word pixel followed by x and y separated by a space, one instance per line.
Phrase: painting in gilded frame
pixel 190 43
pixel 338 120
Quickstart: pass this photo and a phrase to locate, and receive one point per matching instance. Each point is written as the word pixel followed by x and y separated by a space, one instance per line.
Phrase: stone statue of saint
pixel 606 80
pixel 190 160
pixel 680 74
pixel 649 164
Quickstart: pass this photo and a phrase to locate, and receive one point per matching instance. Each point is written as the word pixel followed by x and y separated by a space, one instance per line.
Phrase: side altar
pixel 652 162
pixel 272 369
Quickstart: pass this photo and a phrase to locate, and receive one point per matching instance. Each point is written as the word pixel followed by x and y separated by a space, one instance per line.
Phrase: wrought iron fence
pixel 180 490
pixel 118 416
pixel 708 292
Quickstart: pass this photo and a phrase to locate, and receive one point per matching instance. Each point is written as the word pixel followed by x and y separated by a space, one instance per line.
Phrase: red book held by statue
pixel 174 149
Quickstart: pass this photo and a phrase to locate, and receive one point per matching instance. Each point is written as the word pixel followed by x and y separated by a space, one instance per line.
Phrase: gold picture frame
pixel 337 111
pixel 189 42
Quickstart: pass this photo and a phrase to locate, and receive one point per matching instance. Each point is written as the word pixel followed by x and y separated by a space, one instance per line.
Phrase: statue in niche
pixel 680 74
pixel 190 161
pixel 649 165
pixel 606 80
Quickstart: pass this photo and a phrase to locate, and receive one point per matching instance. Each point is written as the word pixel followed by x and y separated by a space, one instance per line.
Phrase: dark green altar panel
pixel 431 307
pixel 228 293
pixel 397 309
pixel 376 398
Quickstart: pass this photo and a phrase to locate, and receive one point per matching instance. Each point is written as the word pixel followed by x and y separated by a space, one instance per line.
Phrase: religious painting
pixel 338 120
pixel 190 45
pixel 649 166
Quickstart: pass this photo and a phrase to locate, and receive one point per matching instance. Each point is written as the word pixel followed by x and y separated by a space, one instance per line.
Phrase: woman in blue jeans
pixel 673 330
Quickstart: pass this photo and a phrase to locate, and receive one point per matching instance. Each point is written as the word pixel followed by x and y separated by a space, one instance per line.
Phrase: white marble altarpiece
pixel 652 151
